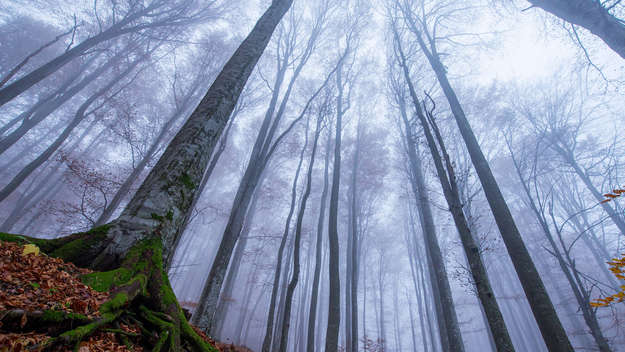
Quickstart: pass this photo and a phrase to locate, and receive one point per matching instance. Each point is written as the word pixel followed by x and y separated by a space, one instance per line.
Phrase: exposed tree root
pixel 140 292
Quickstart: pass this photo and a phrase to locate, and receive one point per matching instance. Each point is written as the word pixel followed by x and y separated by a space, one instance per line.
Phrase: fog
pixel 389 175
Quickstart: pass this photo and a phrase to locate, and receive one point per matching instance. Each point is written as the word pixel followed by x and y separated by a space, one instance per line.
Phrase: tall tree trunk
pixel 353 255
pixel 141 240
pixel 334 305
pixel 262 152
pixel 298 239
pixel 544 312
pixel 312 314
pixel 592 15
pixel 449 331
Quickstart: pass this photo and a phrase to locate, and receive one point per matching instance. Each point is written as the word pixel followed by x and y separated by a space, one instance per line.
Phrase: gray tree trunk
pixel 592 15
pixel 269 333
pixel 451 338
pixel 298 239
pixel 312 314
pixel 334 305
pixel 166 195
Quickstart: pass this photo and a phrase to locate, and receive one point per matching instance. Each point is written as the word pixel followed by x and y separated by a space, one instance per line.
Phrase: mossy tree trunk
pixel 132 251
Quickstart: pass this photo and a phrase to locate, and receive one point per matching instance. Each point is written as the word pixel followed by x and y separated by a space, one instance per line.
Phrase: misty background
pixel 544 99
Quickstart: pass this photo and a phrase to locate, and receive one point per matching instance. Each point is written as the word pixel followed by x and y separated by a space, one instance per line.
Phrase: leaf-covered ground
pixel 33 284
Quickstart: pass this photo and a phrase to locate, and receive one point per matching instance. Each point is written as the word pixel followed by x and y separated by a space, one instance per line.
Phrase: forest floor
pixel 35 288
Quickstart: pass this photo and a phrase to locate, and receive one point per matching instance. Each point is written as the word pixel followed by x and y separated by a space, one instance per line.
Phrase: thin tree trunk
pixel 450 336
pixel 312 314
pixel 50 106
pixel 80 115
pixel 298 239
pixel 334 305
pixel 269 333
pixel 22 63
pixel 352 278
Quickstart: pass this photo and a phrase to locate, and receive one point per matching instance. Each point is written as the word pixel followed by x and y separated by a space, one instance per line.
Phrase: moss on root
pixel 139 289
pixel 75 248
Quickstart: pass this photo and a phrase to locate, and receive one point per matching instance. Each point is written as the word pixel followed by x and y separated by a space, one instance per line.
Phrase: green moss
pixel 186 181
pixel 170 215
pixel 77 245
pixel 7 237
pixel 157 217
pixel 104 281
pixel 44 244
pixel 34 285
pixel 118 301
pixel 60 316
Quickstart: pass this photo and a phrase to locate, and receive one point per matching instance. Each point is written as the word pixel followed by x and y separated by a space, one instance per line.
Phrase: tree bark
pixel 593 16
pixel 139 243
pixel 312 314
pixel 334 306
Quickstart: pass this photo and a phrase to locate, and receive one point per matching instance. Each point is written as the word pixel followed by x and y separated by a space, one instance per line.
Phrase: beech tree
pixel 145 232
